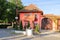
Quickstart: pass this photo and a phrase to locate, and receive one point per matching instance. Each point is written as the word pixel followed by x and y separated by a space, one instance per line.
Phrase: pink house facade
pixel 31 14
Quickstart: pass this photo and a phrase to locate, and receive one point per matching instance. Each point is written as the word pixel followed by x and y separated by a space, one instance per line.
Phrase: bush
pixel 15 27
pixel 18 28
pixel 37 29
pixel 28 24
pixel 3 26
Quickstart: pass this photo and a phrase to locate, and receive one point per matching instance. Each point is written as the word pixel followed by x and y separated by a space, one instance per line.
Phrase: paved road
pixel 33 38
pixel 5 34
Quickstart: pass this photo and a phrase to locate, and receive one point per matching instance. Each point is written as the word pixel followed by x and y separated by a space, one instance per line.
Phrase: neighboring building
pixel 35 16
pixel 55 21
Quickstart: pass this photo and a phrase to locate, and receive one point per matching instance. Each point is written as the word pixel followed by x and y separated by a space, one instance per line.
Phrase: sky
pixel 47 6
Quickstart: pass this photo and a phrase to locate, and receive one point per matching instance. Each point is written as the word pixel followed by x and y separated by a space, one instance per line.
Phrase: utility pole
pixel 16 13
pixel 16 8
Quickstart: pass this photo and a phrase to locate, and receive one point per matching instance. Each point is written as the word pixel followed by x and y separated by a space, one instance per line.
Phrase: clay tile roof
pixel 30 8
pixel 52 16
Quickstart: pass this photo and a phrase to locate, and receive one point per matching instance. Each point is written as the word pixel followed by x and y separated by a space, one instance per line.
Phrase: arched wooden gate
pixel 46 24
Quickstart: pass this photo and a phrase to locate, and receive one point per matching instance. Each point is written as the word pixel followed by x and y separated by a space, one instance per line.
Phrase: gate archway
pixel 46 24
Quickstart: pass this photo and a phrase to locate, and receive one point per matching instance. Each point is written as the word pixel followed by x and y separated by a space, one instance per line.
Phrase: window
pixel 36 15
pixel 28 14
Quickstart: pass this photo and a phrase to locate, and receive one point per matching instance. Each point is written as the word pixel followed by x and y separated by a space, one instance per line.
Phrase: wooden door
pixel 46 24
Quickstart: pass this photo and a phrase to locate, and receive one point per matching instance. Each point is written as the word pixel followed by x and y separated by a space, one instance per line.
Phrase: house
pixel 34 16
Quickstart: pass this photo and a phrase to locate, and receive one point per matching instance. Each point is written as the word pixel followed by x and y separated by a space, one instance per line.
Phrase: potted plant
pixel 28 30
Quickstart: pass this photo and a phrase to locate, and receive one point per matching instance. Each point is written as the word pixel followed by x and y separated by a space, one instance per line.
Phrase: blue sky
pixel 48 6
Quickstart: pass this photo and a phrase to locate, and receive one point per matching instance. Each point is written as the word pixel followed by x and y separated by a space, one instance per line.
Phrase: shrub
pixel 28 24
pixel 21 27
pixel 15 27
pixel 37 29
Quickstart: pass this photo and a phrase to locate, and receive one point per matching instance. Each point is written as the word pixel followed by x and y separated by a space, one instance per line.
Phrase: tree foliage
pixel 8 10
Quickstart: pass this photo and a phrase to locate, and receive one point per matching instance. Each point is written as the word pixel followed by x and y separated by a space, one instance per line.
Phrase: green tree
pixel 8 10
pixel 2 9
pixel 18 3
